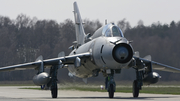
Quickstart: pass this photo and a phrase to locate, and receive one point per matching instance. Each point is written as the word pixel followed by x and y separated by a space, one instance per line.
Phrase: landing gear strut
pixel 53 82
pixel 110 84
pixel 137 84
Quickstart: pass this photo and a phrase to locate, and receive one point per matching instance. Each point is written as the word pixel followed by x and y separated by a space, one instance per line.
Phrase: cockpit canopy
pixel 111 30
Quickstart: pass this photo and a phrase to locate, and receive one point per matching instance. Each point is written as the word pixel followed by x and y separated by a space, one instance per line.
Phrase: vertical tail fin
pixel 80 34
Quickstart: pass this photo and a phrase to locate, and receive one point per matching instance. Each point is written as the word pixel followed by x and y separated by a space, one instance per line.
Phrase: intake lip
pixel 122 53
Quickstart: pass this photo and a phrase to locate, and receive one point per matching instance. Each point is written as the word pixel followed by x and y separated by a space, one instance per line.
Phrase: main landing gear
pixel 53 82
pixel 135 89
pixel 110 84
pixel 137 84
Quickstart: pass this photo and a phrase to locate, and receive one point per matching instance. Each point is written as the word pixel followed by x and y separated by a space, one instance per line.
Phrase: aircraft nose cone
pixel 122 53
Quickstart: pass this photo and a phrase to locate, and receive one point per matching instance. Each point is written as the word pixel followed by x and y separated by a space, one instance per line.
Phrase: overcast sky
pixel 149 11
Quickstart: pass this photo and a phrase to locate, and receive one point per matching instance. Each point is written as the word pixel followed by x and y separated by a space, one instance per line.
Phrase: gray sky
pixel 149 11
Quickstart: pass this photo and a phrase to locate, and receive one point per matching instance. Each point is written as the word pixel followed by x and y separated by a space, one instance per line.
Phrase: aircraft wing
pixel 21 66
pixel 159 66
pixel 47 63
pixel 163 67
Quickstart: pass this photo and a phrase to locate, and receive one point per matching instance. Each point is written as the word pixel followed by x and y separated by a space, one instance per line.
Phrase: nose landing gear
pixel 110 84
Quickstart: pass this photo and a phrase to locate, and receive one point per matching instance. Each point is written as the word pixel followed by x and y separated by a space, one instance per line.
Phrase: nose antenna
pixel 106 22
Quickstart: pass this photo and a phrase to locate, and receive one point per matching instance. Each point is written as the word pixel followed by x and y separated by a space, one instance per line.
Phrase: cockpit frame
pixel 112 30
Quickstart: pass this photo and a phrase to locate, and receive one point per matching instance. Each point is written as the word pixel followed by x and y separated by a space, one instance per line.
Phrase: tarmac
pixel 14 93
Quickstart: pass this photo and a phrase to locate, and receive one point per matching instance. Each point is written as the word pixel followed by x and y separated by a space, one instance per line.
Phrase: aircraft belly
pixel 87 65
pixel 82 71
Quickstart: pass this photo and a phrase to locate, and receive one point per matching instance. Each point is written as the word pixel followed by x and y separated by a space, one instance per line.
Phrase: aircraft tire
pixel 111 91
pixel 135 89
pixel 54 92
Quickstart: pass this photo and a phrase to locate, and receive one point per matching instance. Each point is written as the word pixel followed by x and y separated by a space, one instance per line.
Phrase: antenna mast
pixel 106 22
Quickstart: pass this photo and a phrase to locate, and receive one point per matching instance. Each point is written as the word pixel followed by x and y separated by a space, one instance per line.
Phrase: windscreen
pixel 113 31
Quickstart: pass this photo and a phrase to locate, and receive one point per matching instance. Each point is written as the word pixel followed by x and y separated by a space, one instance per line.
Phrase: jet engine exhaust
pixel 122 53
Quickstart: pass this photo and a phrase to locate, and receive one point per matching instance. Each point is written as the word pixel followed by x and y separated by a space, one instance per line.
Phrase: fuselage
pixel 109 50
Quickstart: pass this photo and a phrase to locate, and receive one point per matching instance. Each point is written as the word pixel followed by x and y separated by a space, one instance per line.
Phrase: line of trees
pixel 24 39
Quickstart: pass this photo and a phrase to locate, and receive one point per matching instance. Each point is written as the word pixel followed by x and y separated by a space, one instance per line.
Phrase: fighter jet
pixel 106 51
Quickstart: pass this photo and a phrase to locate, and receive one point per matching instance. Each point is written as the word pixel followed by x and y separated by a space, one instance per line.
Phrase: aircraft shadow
pixel 139 98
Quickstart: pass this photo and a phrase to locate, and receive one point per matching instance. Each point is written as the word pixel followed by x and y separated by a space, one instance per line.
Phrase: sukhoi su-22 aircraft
pixel 107 51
